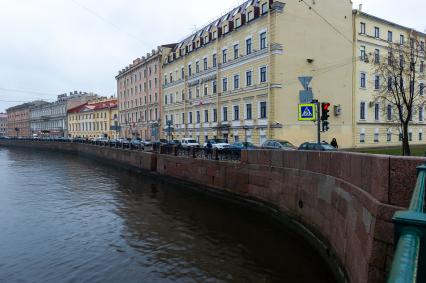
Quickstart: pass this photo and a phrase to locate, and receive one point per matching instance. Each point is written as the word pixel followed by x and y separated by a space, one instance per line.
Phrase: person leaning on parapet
pixel 209 147
pixel 334 143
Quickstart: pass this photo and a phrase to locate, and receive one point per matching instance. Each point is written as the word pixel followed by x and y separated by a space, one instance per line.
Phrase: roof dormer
pixel 252 12
pixel 206 37
pixel 216 32
pixel 239 20
pixel 227 26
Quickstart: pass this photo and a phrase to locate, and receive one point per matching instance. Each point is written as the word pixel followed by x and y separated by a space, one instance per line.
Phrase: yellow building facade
pixel 237 78
pixel 374 119
pixel 94 119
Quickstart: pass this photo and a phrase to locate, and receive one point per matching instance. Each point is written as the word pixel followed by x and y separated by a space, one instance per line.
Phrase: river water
pixel 70 219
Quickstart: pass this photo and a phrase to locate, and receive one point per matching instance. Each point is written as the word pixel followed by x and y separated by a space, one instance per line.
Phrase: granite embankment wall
pixel 345 200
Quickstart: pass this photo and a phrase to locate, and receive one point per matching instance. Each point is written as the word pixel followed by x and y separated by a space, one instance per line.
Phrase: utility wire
pixel 326 21
pixel 26 91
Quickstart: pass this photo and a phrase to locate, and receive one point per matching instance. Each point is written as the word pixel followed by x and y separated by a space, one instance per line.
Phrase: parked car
pixel 123 142
pixel 112 142
pixel 218 143
pixel 136 143
pixel 278 144
pixel 189 142
pixel 146 143
pixel 101 140
pixel 243 145
pixel 316 146
pixel 175 143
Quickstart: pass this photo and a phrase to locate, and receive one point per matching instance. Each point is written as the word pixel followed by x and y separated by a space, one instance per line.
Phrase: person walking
pixel 334 143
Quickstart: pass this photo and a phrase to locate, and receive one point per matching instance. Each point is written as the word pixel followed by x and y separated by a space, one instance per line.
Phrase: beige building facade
pixel 237 78
pixel 97 118
pixel 139 97
pixel 374 119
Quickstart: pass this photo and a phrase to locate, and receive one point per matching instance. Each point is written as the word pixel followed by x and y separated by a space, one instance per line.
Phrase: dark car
pixel 278 144
pixel 316 146
pixel 136 144
pixel 243 145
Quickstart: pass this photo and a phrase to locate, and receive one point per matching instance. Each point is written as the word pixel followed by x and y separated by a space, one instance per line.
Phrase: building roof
pixel 217 22
pixel 3 116
pixel 26 105
pixel 95 106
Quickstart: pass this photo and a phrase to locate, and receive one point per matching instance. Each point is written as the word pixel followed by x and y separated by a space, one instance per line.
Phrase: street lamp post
pixel 245 133
pixel 169 129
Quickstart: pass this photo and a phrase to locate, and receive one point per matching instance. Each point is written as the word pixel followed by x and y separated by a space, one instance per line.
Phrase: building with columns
pixel 50 119
pixel 97 118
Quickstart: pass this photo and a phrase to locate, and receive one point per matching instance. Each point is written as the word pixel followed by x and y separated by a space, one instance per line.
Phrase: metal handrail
pixel 410 232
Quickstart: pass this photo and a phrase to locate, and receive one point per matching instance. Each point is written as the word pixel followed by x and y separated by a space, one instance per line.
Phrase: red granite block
pixel 384 231
pixel 378 253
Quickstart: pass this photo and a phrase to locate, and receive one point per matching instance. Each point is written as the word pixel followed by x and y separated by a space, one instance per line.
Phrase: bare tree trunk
pixel 406 151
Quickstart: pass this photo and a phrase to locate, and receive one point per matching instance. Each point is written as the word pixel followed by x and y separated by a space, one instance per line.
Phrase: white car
pixel 189 142
pixel 218 143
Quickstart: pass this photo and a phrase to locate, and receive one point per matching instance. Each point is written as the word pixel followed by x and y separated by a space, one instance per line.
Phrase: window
pixel 236 51
pixel 183 118
pixel 214 83
pixel 376 32
pixel 236 112
pixel 189 70
pixel 362 28
pixel 248 78
pixel 376 112
pixel 263 40
pixel 214 60
pixel 401 39
pixel 206 116
pixel 363 54
pixel 249 16
pixel 224 56
pixel 197 91
pixel 190 117
pixel 377 82
pixel 264 8
pixel 236 81
pixel 238 22
pixel 401 61
pixel 390 83
pixel 214 115
pixel 422 88
pixel 420 136
pixel 376 135
pixel 410 136
pixel 248 46
pixel 190 93
pixel 263 113
pixel 362 137
pixel 205 64
pixel 376 56
pixel 390 36
pixel 362 111
pixel 225 114
pixel 206 88
pixel 389 136
pixel 248 112
pixel 197 67
pixel 198 117
pixel 363 80
pixel 389 112
pixel 224 84
pixel 422 66
pixel 263 74
pixel 421 114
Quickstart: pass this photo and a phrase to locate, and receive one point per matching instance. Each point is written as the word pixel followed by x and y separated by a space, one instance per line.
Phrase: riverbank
pixel 345 210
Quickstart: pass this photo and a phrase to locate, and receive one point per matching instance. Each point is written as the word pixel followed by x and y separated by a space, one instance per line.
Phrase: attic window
pixel 264 8
pixel 206 39
pixel 250 15
pixel 237 22
pixel 225 29
pixel 214 36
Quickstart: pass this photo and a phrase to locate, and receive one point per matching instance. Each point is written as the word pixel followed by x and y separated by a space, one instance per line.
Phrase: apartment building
pixel 19 119
pixel 237 77
pixel 3 124
pixel 139 97
pixel 50 119
pixel 96 118
pixel 374 122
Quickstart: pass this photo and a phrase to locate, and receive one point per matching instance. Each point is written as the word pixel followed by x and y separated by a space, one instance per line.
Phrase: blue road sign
pixel 307 112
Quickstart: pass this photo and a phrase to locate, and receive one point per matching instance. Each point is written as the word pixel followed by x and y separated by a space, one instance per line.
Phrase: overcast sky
pixel 48 47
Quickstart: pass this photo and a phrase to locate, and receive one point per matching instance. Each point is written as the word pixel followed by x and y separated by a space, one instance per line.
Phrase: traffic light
pixel 325 109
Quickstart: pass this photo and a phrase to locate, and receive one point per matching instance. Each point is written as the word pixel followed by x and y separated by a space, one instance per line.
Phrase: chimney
pixel 360 7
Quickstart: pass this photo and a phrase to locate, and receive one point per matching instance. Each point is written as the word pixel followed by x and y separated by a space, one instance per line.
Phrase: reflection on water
pixel 67 219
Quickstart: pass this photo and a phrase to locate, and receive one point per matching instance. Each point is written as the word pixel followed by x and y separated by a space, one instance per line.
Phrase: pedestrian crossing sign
pixel 307 112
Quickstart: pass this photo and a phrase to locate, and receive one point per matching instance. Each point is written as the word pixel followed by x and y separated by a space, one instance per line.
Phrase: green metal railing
pixel 410 234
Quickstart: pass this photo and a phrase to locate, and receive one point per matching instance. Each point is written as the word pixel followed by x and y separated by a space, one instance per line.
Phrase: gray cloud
pixel 56 46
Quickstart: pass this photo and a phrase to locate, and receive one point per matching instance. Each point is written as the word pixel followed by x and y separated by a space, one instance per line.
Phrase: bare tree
pixel 398 84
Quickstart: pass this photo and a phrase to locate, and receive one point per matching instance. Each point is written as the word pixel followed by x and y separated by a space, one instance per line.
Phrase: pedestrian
pixel 334 143
pixel 209 148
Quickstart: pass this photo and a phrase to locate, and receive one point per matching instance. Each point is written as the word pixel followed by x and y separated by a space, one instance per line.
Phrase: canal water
pixel 70 219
